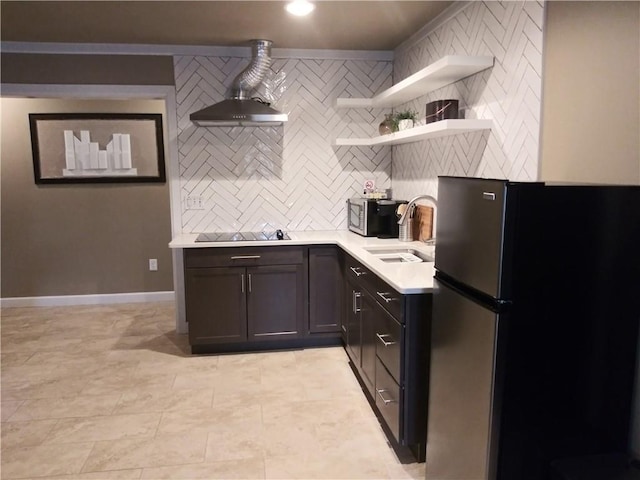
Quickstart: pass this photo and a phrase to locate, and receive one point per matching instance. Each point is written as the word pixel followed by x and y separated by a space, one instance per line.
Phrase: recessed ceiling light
pixel 300 8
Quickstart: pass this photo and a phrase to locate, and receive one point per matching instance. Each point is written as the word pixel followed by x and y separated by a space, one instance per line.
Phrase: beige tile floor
pixel 112 392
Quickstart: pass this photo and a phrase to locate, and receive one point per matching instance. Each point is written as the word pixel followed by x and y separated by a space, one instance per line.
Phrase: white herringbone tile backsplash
pixel 291 177
pixel 286 177
pixel 509 94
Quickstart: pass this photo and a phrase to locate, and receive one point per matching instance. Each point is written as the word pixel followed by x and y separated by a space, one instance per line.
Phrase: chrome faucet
pixel 405 227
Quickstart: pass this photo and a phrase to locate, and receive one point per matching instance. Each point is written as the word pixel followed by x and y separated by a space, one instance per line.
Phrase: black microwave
pixel 373 218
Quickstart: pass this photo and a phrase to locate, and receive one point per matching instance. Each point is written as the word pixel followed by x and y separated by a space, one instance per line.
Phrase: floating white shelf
pixel 439 74
pixel 442 128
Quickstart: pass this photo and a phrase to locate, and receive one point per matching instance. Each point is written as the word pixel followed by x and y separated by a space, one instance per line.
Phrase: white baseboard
pixel 100 299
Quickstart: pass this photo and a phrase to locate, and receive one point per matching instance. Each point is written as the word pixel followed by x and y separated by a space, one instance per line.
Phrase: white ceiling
pixel 334 25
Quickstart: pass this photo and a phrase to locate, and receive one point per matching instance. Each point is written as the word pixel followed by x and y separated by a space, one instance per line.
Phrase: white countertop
pixel 406 278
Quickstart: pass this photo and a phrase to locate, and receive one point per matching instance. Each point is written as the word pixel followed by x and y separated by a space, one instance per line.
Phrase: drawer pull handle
pixel 385 400
pixel 245 257
pixel 357 271
pixel 356 296
pixel 249 277
pixel 271 334
pixel 382 339
pixel 242 282
pixel 383 295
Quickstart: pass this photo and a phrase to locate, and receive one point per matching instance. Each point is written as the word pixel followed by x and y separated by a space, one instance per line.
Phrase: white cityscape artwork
pixel 84 158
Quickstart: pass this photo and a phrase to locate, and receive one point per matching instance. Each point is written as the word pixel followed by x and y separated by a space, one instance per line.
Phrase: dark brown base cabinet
pixel 388 346
pixel 242 299
pixel 325 290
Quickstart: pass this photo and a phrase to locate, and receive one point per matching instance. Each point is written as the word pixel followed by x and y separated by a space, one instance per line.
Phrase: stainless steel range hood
pixel 240 109
pixel 234 112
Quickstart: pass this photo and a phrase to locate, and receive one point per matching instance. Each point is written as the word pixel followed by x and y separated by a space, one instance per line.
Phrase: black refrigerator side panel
pixel 573 341
pixel 598 246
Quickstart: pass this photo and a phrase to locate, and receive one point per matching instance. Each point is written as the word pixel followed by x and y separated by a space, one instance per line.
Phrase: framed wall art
pixel 97 147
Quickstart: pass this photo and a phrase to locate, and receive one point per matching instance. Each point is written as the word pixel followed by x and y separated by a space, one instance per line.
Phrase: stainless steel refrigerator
pixel 535 327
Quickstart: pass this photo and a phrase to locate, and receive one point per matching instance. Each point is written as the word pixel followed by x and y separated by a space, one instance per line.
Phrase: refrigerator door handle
pixel 494 304
pixel 488 196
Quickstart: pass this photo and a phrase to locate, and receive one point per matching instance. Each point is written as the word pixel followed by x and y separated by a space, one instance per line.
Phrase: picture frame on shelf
pixel 97 148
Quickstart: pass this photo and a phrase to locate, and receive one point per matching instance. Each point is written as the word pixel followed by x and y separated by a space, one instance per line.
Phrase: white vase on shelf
pixel 405 124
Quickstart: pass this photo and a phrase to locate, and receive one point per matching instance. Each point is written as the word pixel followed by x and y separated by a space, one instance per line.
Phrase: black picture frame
pixel 112 148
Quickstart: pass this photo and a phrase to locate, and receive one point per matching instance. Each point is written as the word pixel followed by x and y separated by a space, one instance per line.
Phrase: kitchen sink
pixel 399 255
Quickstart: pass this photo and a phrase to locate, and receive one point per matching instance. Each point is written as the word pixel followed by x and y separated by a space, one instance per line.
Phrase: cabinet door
pixel 352 321
pixel 368 319
pixel 275 303
pixel 325 290
pixel 215 305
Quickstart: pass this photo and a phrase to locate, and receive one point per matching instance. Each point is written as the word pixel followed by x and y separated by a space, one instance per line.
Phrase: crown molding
pixel 197 50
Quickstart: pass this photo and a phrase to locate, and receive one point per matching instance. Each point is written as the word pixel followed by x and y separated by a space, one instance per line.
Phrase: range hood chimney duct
pixel 249 79
pixel 240 109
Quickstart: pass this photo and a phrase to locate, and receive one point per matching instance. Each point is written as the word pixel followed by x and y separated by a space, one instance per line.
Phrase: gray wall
pixel 591 103
pixel 77 239
pixel 86 69
pixel 591 93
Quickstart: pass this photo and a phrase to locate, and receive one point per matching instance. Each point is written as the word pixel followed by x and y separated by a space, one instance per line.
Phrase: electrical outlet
pixel 153 264
pixel 195 202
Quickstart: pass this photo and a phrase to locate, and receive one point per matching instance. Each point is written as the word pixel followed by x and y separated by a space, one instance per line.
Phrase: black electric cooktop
pixel 242 236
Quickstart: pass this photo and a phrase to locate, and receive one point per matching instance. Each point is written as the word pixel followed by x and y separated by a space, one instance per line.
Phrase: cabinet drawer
pixel 242 256
pixel 363 277
pixel 389 335
pixel 388 399
pixel 356 271
pixel 386 296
